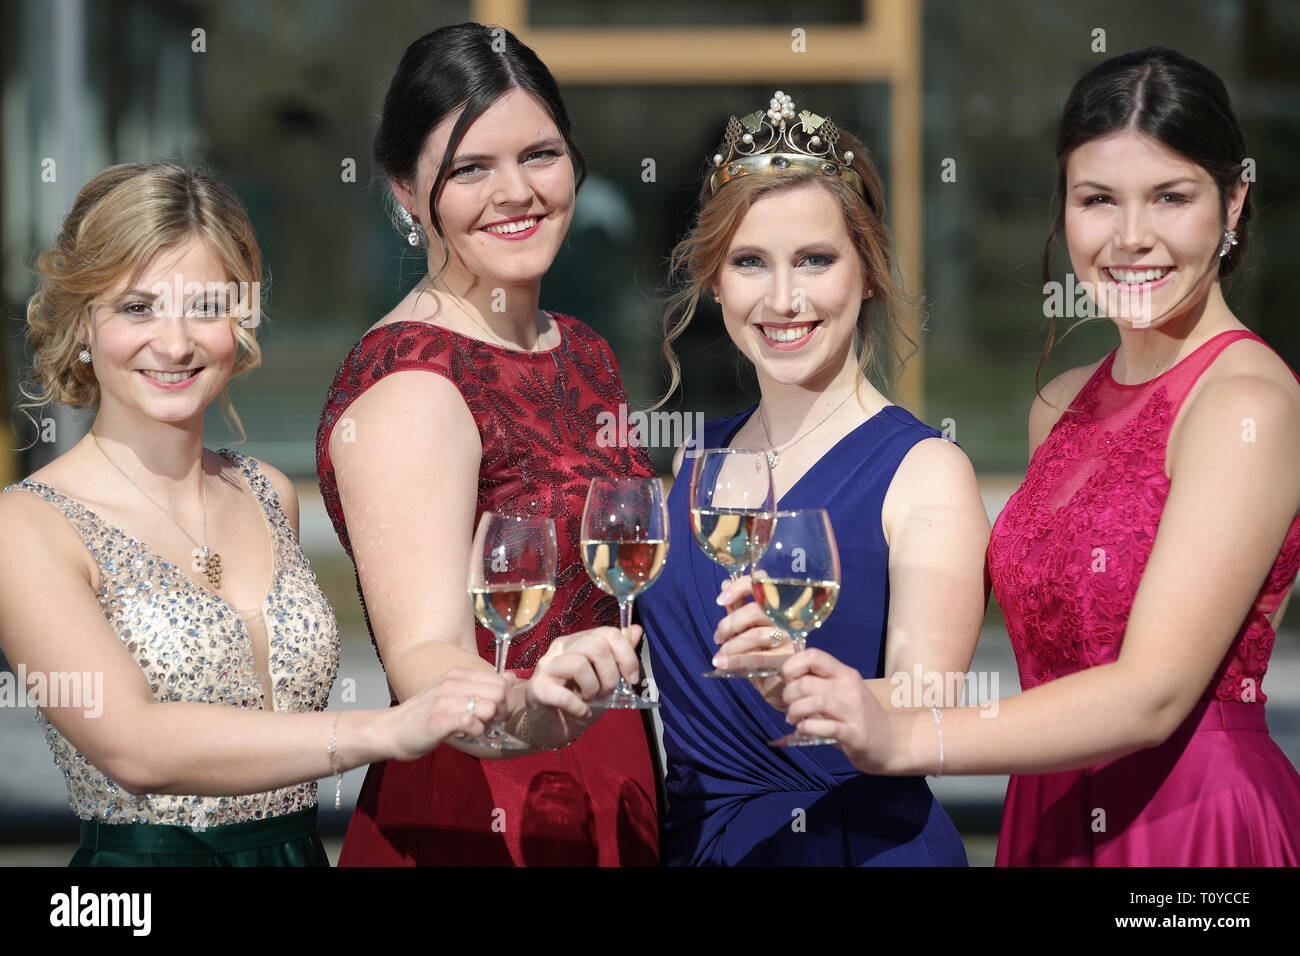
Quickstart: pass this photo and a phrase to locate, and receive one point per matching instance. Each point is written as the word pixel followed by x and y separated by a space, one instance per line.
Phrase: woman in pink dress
pixel 468 398
pixel 1146 561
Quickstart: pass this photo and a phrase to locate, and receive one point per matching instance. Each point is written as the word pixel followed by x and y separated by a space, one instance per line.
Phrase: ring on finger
pixel 777 637
pixel 470 705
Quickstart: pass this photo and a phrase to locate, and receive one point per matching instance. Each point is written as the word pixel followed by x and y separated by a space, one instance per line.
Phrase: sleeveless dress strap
pixel 84 521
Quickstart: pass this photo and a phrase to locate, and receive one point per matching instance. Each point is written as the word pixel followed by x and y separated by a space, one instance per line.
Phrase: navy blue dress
pixel 732 799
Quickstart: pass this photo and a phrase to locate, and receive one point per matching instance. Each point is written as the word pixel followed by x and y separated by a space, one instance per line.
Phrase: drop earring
pixel 1229 240
pixel 408 221
pixel 84 355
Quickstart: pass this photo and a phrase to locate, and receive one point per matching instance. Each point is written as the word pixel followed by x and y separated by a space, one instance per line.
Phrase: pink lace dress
pixel 1066 557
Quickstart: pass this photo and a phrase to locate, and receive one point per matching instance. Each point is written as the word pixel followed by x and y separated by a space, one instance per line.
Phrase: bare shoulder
pixel 934 488
pixel 418 391
pixel 28 524
pixel 1053 399
pixel 396 404
pixel 280 483
pixel 1249 359
pixel 934 463
pixel 286 494
pixel 935 472
pixel 1250 397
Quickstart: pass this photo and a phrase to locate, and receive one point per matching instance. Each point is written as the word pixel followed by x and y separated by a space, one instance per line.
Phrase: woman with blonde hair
pixel 790 242
pixel 160 586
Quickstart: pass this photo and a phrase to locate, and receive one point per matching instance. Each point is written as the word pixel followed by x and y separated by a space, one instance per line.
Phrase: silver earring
pixel 84 355
pixel 1229 240
pixel 413 237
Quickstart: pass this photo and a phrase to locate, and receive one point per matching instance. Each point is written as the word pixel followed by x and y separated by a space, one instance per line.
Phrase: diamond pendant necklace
pixel 205 559
pixel 774 454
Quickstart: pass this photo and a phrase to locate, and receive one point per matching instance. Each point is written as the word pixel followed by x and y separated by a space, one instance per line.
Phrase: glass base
pixel 797 739
pixel 496 739
pixel 623 700
pixel 745 672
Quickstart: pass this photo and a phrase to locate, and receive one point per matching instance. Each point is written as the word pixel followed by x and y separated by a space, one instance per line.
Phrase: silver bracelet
pixel 938 716
pixel 334 763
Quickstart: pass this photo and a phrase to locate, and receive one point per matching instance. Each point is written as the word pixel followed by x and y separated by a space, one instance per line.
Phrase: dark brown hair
pixel 1174 100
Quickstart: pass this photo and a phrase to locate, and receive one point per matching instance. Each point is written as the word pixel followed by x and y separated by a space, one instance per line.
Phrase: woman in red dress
pixel 468 398
pixel 1145 563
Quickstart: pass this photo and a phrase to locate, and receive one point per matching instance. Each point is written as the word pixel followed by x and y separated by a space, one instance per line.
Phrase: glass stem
pixel 625 625
pixel 503 648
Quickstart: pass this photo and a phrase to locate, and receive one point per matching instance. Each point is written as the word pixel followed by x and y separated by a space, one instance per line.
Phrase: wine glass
pixel 511 583
pixel 732 501
pixel 624 541
pixel 796 581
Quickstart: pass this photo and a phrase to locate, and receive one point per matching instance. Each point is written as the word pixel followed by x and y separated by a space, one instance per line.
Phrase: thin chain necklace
pixel 205 559
pixel 774 454
pixel 474 317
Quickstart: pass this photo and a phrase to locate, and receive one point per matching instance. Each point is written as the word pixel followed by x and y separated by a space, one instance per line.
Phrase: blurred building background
pixel 957 100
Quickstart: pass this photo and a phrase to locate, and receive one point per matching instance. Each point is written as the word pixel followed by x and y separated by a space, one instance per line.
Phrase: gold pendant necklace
pixel 203 558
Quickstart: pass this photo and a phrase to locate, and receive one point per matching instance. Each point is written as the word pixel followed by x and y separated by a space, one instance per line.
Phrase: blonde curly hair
pixel 122 221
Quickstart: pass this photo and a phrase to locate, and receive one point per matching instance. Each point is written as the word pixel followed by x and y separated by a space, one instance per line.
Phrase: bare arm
pixel 408 484
pixel 938 534
pixel 1230 504
pixel 51 622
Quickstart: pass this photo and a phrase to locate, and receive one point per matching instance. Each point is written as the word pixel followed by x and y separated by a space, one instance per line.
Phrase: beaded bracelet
pixel 334 763
pixel 938 716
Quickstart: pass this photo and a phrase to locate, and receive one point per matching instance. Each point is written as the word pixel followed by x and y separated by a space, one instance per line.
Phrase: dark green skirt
pixel 288 840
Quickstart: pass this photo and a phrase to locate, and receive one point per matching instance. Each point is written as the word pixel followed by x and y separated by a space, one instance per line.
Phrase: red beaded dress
pixel 1066 557
pixel 538 417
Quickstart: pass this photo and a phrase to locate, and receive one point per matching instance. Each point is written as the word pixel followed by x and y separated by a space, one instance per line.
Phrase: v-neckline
pixel 813 467
pixel 276 565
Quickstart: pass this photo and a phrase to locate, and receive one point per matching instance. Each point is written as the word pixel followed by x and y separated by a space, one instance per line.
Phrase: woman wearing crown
pixel 790 243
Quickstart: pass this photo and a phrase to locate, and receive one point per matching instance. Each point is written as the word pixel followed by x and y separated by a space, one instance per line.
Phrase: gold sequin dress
pixel 194 646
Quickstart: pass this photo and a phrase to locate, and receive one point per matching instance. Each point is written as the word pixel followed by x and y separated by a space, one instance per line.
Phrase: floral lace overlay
pixel 1068 551
pixel 539 417
pixel 194 646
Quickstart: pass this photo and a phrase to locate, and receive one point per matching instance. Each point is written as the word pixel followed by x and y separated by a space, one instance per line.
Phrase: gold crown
pixel 776 140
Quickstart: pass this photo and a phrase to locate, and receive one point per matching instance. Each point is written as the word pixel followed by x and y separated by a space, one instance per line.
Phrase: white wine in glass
pixel 511 585
pixel 624 543
pixel 796 581
pixel 732 501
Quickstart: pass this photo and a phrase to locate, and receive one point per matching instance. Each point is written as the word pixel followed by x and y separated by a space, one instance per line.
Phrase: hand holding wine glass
pixel 512 583
pixel 732 500
pixel 624 542
pixel 796 582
